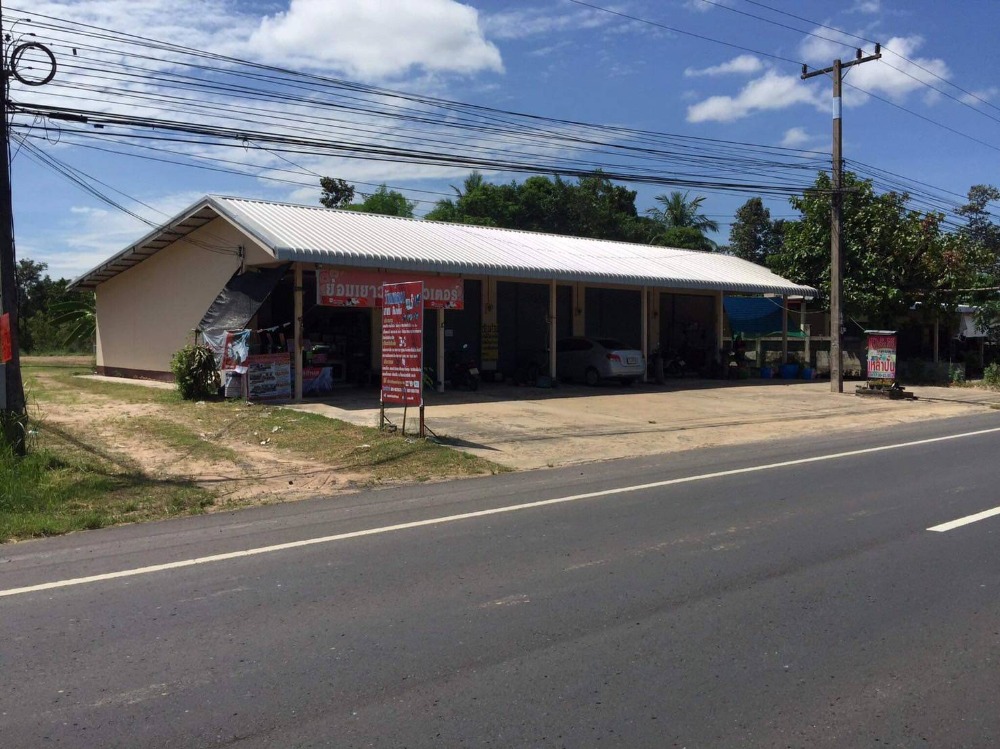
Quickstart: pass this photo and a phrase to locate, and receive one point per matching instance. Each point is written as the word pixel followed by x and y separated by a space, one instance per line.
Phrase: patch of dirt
pixel 258 475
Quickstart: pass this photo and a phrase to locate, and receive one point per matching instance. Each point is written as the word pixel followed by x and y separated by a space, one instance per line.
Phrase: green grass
pixel 387 456
pixel 179 437
pixel 74 481
pixel 60 486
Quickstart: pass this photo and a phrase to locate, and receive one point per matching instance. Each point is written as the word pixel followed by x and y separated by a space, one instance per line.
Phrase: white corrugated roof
pixel 348 238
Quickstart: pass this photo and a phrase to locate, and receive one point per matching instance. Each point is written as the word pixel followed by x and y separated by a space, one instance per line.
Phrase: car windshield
pixel 611 343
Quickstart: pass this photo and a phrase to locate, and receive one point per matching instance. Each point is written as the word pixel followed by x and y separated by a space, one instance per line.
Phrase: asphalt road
pixel 802 605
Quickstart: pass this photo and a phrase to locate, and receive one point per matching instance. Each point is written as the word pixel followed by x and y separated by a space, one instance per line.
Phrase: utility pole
pixel 13 414
pixel 836 216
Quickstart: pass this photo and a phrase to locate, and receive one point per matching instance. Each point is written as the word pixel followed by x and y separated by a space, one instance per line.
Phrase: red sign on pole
pixel 403 343
pixel 6 350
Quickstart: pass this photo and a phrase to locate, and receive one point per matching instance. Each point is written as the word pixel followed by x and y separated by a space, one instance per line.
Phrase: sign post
pixel 402 349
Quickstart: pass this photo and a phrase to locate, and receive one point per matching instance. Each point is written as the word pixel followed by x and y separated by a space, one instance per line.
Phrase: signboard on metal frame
pixel 403 344
pixel 881 355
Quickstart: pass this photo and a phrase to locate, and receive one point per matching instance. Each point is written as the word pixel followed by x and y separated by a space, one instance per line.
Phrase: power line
pixel 863 39
pixel 675 30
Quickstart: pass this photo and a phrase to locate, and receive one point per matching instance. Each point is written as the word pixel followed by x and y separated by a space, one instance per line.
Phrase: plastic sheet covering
pixel 757 317
pixel 240 299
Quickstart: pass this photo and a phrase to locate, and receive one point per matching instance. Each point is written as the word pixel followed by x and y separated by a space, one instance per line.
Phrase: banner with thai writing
pixel 403 344
pixel 358 287
pixel 881 356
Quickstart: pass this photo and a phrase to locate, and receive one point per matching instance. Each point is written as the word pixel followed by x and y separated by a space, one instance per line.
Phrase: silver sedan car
pixel 596 359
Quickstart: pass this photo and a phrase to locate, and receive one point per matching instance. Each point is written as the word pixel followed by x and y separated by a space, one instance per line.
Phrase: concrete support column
pixel 297 322
pixel 937 338
pixel 784 331
pixel 579 309
pixel 489 352
pixel 440 350
pixel 645 328
pixel 805 330
pixel 376 337
pixel 719 321
pixel 552 329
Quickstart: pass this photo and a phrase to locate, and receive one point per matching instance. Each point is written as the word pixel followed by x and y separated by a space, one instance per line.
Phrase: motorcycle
pixel 463 370
pixel 665 364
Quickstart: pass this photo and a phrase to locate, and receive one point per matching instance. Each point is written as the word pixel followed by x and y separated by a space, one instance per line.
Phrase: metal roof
pixel 349 238
pixel 180 226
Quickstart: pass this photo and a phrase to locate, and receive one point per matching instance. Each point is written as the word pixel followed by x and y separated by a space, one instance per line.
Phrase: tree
pixel 753 235
pixel 981 236
pixel 51 318
pixel 336 192
pixel 593 207
pixel 386 202
pixel 684 237
pixel 894 257
pixel 678 211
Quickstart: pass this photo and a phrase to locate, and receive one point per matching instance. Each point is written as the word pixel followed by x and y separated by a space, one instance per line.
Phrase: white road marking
pixel 477 514
pixel 966 520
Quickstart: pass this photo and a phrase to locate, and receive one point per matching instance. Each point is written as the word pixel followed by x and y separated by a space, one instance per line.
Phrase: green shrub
pixel 956 373
pixel 195 372
pixel 991 375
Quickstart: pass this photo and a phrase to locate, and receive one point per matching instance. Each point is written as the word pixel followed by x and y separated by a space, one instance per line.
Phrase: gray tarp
pixel 241 297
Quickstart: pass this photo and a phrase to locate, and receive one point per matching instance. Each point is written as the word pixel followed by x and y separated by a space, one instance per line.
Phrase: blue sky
pixel 548 57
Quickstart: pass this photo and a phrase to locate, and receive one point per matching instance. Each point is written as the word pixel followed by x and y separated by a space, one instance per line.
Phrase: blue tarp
pixel 757 317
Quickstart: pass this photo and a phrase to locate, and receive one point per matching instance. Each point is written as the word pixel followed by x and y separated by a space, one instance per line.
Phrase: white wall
pixel 147 313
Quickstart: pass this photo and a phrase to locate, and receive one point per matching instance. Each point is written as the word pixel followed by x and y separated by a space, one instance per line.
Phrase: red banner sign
pixel 403 343
pixel 356 287
pixel 6 349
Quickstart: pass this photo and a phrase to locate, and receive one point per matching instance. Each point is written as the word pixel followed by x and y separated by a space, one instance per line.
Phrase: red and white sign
pixel 354 287
pixel 881 356
pixel 403 343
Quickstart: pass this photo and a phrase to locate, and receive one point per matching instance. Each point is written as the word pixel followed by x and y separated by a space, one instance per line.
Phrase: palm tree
pixel 680 212
pixel 472 183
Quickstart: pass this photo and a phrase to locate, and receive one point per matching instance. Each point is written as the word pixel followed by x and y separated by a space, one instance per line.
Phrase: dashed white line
pixel 479 514
pixel 951 525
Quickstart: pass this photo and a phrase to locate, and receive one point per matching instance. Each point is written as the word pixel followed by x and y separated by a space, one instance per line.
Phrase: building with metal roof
pixel 151 295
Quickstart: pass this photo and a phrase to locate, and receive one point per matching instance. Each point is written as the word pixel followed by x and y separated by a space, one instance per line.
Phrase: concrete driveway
pixel 524 427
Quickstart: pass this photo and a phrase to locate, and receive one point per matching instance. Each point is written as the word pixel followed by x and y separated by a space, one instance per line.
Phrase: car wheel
pixel 591 377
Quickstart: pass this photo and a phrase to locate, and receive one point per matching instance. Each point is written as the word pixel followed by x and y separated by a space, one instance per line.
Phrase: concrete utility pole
pixel 14 414
pixel 836 211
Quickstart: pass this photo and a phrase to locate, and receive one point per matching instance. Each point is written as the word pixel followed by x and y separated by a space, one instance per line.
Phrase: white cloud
pixel 868 7
pixel 975 98
pixel 744 64
pixel 700 6
pixel 896 77
pixel 795 137
pixel 356 38
pixel 527 22
pixel 375 41
pixel 800 138
pixel 892 76
pixel 550 49
pixel 769 92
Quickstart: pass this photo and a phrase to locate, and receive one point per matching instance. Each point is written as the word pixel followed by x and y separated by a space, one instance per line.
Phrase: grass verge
pixel 60 487
pixel 79 474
